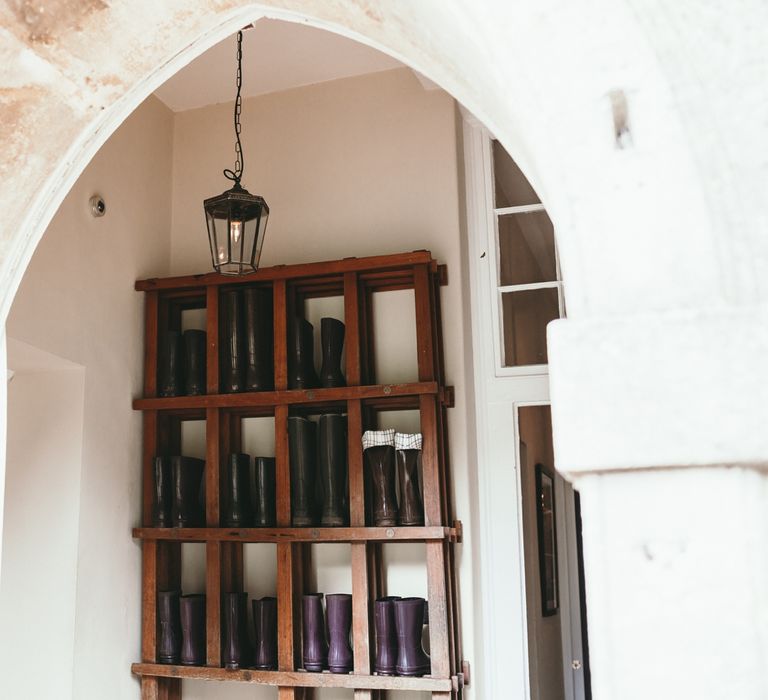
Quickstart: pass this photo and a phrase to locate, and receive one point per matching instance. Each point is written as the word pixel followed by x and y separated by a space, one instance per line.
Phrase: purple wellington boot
pixel 169 641
pixel 386 635
pixel 265 633
pixel 193 642
pixel 339 626
pixel 315 646
pixel 409 622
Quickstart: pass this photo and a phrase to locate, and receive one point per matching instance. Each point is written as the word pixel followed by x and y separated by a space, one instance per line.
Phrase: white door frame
pixel 502 629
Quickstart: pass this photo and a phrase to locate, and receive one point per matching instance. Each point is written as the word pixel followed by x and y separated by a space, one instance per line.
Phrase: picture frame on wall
pixel 547 536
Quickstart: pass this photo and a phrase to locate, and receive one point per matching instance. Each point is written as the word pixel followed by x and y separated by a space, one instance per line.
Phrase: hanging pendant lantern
pixel 236 219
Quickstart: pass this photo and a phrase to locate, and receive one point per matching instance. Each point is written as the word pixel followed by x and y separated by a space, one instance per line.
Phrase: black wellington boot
pixel 233 345
pixel 163 493
pixel 332 342
pixel 302 443
pixel 238 512
pixel 169 642
pixel 171 360
pixel 193 642
pixel 379 451
pixel 187 509
pixel 301 356
pixel 259 370
pixel 409 622
pixel 333 469
pixel 236 646
pixel 194 362
pixel 263 495
pixel 408 448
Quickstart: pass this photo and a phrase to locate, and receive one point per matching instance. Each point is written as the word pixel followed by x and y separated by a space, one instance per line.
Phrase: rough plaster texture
pixel 673 223
pixel 677 599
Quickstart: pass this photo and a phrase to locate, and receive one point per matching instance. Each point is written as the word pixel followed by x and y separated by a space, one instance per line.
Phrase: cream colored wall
pixel 77 302
pixel 40 525
pixel 359 166
pixel 353 167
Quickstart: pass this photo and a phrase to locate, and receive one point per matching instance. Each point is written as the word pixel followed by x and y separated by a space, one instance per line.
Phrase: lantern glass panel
pixel 236 225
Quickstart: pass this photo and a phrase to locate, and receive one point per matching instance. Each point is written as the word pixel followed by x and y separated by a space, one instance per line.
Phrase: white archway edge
pixel 675 220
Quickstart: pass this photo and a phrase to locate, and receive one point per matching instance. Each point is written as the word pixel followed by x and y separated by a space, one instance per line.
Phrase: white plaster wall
pixel 40 529
pixel 353 167
pixel 77 301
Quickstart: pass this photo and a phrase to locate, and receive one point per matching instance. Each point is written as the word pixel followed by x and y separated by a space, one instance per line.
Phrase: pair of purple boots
pixel 182 628
pixel 237 651
pixel 399 626
pixel 334 651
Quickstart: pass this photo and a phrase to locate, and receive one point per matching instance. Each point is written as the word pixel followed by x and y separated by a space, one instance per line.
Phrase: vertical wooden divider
pixel 445 481
pixel 361 551
pixel 161 564
pixel 424 339
pixel 440 647
pixel 213 550
pixel 149 551
pixel 287 557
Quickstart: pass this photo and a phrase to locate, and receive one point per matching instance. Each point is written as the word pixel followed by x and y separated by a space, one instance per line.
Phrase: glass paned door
pixel 528 286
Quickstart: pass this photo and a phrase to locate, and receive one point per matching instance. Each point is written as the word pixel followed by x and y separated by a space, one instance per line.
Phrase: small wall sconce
pixel 98 206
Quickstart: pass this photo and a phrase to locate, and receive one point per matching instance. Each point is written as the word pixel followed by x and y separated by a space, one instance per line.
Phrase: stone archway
pixel 661 238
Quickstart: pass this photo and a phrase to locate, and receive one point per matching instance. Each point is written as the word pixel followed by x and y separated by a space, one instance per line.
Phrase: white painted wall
pixel 40 528
pixel 77 302
pixel 354 167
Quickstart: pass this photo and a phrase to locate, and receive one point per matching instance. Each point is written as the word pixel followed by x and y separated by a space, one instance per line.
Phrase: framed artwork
pixel 545 516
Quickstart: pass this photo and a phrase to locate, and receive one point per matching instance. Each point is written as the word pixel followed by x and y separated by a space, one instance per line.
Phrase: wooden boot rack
pixel 357 280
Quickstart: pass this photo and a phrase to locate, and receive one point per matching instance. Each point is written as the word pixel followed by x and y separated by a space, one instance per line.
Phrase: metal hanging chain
pixel 236 174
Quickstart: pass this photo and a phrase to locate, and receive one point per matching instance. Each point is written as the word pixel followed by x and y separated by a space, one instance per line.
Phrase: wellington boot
pixel 332 343
pixel 302 442
pixel 259 370
pixel 333 469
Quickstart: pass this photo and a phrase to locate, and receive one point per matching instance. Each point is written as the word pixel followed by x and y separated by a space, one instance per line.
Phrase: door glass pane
pixel 512 187
pixel 525 316
pixel 526 248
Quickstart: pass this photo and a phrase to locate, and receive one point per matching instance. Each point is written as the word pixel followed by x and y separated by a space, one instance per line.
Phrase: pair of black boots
pixel 301 354
pixel 318 470
pixel 237 649
pixel 331 651
pixel 250 493
pixel 182 628
pixel 387 455
pixel 248 344
pixel 179 492
pixel 181 363
pixel 399 626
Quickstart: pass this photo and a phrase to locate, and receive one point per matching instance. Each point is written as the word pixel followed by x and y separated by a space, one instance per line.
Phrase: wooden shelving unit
pixel 357 280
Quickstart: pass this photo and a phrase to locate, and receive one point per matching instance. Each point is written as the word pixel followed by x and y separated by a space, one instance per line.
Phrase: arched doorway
pixel 563 134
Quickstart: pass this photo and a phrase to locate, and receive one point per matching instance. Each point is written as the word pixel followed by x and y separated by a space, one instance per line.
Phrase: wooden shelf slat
pixel 289 535
pixel 300 679
pixel 282 272
pixel 256 399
